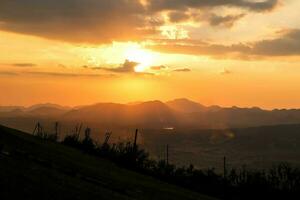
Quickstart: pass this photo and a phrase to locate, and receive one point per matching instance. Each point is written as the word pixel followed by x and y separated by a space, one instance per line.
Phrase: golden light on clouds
pixel 145 59
pixel 174 32
pixel 120 51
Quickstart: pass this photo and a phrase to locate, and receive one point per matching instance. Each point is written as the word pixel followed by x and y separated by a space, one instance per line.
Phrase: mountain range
pixel 196 133
pixel 178 113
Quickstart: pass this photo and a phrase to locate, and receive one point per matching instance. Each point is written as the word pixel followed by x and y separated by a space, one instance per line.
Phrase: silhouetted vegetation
pixel 280 182
pixel 41 133
pixel 34 168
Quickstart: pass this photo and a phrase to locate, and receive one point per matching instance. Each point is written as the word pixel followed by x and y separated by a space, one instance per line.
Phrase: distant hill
pixel 33 107
pixel 47 105
pixel 47 111
pixel 34 169
pixel 154 114
pixel 178 114
pixel 185 105
pixel 10 108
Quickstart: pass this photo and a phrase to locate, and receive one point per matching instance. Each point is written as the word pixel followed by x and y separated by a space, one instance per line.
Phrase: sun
pixel 143 57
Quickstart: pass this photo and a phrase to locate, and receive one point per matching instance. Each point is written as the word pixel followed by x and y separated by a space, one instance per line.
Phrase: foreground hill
pixel 34 169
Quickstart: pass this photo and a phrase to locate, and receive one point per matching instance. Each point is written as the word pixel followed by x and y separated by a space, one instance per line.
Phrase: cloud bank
pixel 104 21
pixel 91 21
pixel 287 44
pixel 252 5
pixel 126 67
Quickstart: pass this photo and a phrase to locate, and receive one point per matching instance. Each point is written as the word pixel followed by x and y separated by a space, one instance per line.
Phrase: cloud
pixel 193 10
pixel 160 67
pixel 56 74
pixel 23 65
pixel 256 6
pixel 199 48
pixel 225 72
pixel 182 70
pixel 205 16
pixel 126 67
pixel 178 16
pixel 286 44
pixel 6 73
pixel 20 64
pixel 227 21
pixel 86 21
pixel 61 66
pixel 104 21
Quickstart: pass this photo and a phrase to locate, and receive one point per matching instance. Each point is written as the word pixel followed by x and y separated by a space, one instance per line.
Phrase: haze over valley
pixel 197 134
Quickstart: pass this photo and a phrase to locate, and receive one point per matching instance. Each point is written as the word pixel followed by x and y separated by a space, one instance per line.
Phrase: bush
pixel 72 140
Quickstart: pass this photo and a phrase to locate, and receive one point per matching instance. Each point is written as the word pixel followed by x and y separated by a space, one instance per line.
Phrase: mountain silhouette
pixel 178 113
pixel 147 114
pixel 186 105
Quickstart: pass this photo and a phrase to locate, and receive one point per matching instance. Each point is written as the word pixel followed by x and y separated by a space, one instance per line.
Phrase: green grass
pixel 31 168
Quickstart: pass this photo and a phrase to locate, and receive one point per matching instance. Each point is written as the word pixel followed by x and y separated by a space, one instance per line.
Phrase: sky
pixel 226 52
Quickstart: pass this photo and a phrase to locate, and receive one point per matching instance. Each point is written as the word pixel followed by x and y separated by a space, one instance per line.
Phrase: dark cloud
pixel 226 72
pixel 55 74
pixel 92 21
pixel 227 21
pixel 160 67
pixel 126 67
pixel 178 16
pixel 104 21
pixel 62 66
pixel 287 44
pixel 182 70
pixel 257 6
pixel 69 75
pixel 23 64
pixel 66 75
pixel 6 73
pixel 212 19
pixel 200 49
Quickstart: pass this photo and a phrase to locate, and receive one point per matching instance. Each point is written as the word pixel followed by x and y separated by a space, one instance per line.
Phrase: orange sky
pixel 214 52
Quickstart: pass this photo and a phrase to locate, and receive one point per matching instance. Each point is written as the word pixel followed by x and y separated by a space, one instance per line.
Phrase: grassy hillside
pixel 34 169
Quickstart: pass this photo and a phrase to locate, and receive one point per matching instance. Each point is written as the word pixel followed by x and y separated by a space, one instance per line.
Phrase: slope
pixel 34 169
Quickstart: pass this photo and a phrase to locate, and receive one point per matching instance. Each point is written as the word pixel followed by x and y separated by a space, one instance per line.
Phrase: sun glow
pixel 143 57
